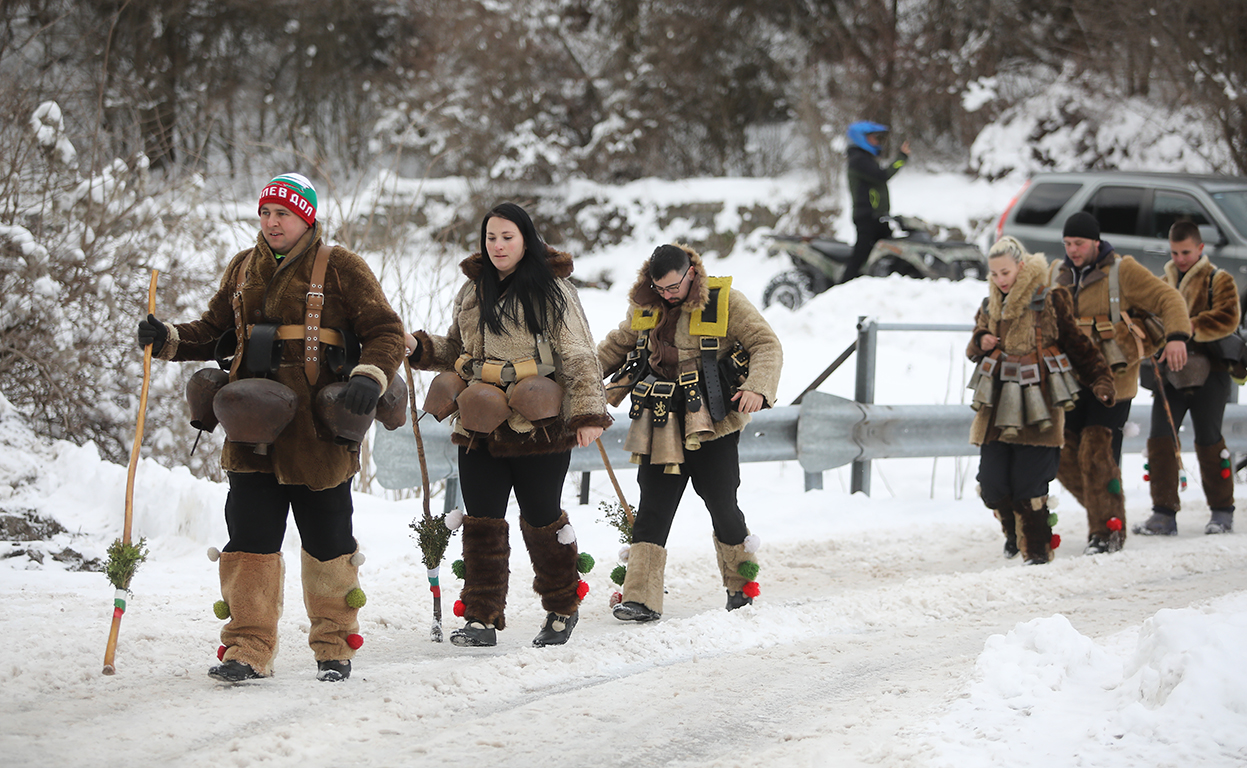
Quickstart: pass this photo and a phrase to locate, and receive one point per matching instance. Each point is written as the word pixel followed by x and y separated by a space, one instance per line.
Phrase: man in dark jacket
pixel 868 189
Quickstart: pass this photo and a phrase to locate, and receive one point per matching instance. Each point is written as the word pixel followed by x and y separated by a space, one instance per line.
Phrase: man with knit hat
pixel 1112 294
pixel 288 314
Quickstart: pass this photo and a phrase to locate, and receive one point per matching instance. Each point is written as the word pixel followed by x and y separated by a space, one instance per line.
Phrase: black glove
pixel 361 395
pixel 414 357
pixel 153 332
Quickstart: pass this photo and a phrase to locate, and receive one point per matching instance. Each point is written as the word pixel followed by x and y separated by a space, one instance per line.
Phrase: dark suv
pixel 1134 211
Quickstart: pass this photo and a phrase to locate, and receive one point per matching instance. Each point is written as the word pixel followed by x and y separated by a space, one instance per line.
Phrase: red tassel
pixel 1056 540
pixel 751 589
pixel 220 653
pixel 355 641
pixel 1113 524
pixel 459 608
pixel 582 589
pixel 616 599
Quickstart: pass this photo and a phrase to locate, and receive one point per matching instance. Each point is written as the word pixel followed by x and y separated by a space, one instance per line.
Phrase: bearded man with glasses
pixel 694 358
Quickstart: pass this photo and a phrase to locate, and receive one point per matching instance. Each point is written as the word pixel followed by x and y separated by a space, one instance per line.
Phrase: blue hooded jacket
pixel 859 130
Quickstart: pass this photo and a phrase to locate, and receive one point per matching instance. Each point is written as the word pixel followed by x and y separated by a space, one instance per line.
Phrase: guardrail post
pixel 864 392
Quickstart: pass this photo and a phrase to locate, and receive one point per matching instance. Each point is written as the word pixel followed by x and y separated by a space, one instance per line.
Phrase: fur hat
pixel 292 191
pixel 1082 224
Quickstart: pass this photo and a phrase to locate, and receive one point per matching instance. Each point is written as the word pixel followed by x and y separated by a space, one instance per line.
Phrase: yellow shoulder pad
pixel 711 320
pixel 643 319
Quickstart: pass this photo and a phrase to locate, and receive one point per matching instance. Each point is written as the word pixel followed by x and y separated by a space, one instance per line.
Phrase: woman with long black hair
pixel 520 349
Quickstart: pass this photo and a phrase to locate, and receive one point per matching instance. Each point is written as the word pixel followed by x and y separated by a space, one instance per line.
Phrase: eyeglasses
pixel 663 290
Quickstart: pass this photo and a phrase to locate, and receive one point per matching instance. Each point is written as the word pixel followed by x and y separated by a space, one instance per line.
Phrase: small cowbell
pixel 1113 355
pixel 1036 409
pixel 1009 409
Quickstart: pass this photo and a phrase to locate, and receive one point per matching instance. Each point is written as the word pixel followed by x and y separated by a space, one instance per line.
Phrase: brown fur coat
pixel 1141 290
pixel 744 324
pixel 276 292
pixel 576 366
pixel 1012 321
pixel 1208 323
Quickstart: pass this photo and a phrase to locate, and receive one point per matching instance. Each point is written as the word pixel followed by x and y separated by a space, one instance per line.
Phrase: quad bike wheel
pixel 790 289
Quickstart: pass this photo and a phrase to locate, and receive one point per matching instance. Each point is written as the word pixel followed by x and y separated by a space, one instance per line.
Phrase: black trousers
pixel 1206 405
pixel 1090 412
pixel 869 232
pixel 487 482
pixel 1015 472
pixel 256 509
pixel 715 471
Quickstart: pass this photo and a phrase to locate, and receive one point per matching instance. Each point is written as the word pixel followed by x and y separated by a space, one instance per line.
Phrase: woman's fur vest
pixel 1011 319
pixel 576 366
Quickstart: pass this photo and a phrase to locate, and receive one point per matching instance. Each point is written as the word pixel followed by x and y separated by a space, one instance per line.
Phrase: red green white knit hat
pixel 293 191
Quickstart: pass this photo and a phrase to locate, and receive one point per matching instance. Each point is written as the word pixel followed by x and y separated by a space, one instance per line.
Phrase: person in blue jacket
pixel 868 189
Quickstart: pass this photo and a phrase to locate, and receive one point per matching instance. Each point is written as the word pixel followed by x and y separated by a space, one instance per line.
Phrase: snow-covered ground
pixel 890 630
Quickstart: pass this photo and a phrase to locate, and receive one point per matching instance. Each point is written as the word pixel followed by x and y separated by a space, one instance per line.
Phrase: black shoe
pixel 1011 549
pixel 738 600
pixel 333 671
pixel 1222 521
pixel 556 630
pixel 1159 524
pixel 233 672
pixel 474 635
pixel 1098 545
pixel 637 612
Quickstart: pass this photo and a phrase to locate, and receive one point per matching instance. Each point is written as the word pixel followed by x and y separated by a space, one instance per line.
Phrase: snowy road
pixel 857 647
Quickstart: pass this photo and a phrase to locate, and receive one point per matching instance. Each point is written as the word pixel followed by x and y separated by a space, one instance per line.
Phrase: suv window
pixel 1234 205
pixel 1117 209
pixel 1168 207
pixel 1044 202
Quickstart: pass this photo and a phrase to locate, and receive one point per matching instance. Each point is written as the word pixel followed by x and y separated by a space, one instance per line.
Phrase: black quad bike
pixel 820 262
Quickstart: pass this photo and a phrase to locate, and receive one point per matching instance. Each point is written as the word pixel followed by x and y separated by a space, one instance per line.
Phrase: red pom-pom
pixel 355 641
pixel 1056 540
pixel 1225 472
pixel 1113 524
pixel 220 653
pixel 751 589
pixel 616 599
pixel 459 608
pixel 1146 477
pixel 582 589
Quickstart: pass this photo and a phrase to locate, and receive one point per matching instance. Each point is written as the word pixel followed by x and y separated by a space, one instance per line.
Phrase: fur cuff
pixel 171 342
pixel 372 372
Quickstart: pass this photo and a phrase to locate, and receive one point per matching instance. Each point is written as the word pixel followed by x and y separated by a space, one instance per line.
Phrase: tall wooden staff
pixel 431 532
pixel 124 557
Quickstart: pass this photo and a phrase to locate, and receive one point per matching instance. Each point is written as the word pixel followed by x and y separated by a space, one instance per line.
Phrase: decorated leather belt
pixel 500 372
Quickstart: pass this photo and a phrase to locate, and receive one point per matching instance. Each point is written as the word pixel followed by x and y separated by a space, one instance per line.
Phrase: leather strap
pixel 312 315
pixel 291 332
pixel 710 372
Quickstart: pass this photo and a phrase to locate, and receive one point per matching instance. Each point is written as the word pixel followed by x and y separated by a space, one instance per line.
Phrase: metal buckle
pixel 709 343
pixel 315 299
pixel 688 377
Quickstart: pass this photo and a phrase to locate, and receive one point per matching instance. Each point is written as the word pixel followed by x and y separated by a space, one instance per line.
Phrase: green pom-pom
pixel 1114 487
pixel 748 569
pixel 221 609
pixel 584 562
pixel 618 574
pixel 458 569
pixel 1051 519
pixel 356 598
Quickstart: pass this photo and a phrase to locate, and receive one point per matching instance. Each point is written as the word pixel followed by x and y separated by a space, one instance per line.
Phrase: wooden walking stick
pixel 615 482
pixel 124 557
pixel 431 532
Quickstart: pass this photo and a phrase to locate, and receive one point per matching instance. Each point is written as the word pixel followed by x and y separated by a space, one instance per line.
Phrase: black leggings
pixel 1206 406
pixel 715 471
pixel 255 516
pixel 537 479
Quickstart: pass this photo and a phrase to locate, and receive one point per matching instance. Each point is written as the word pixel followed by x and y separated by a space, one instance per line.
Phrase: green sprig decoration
pixel 123 561
pixel 433 536
pixel 615 516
